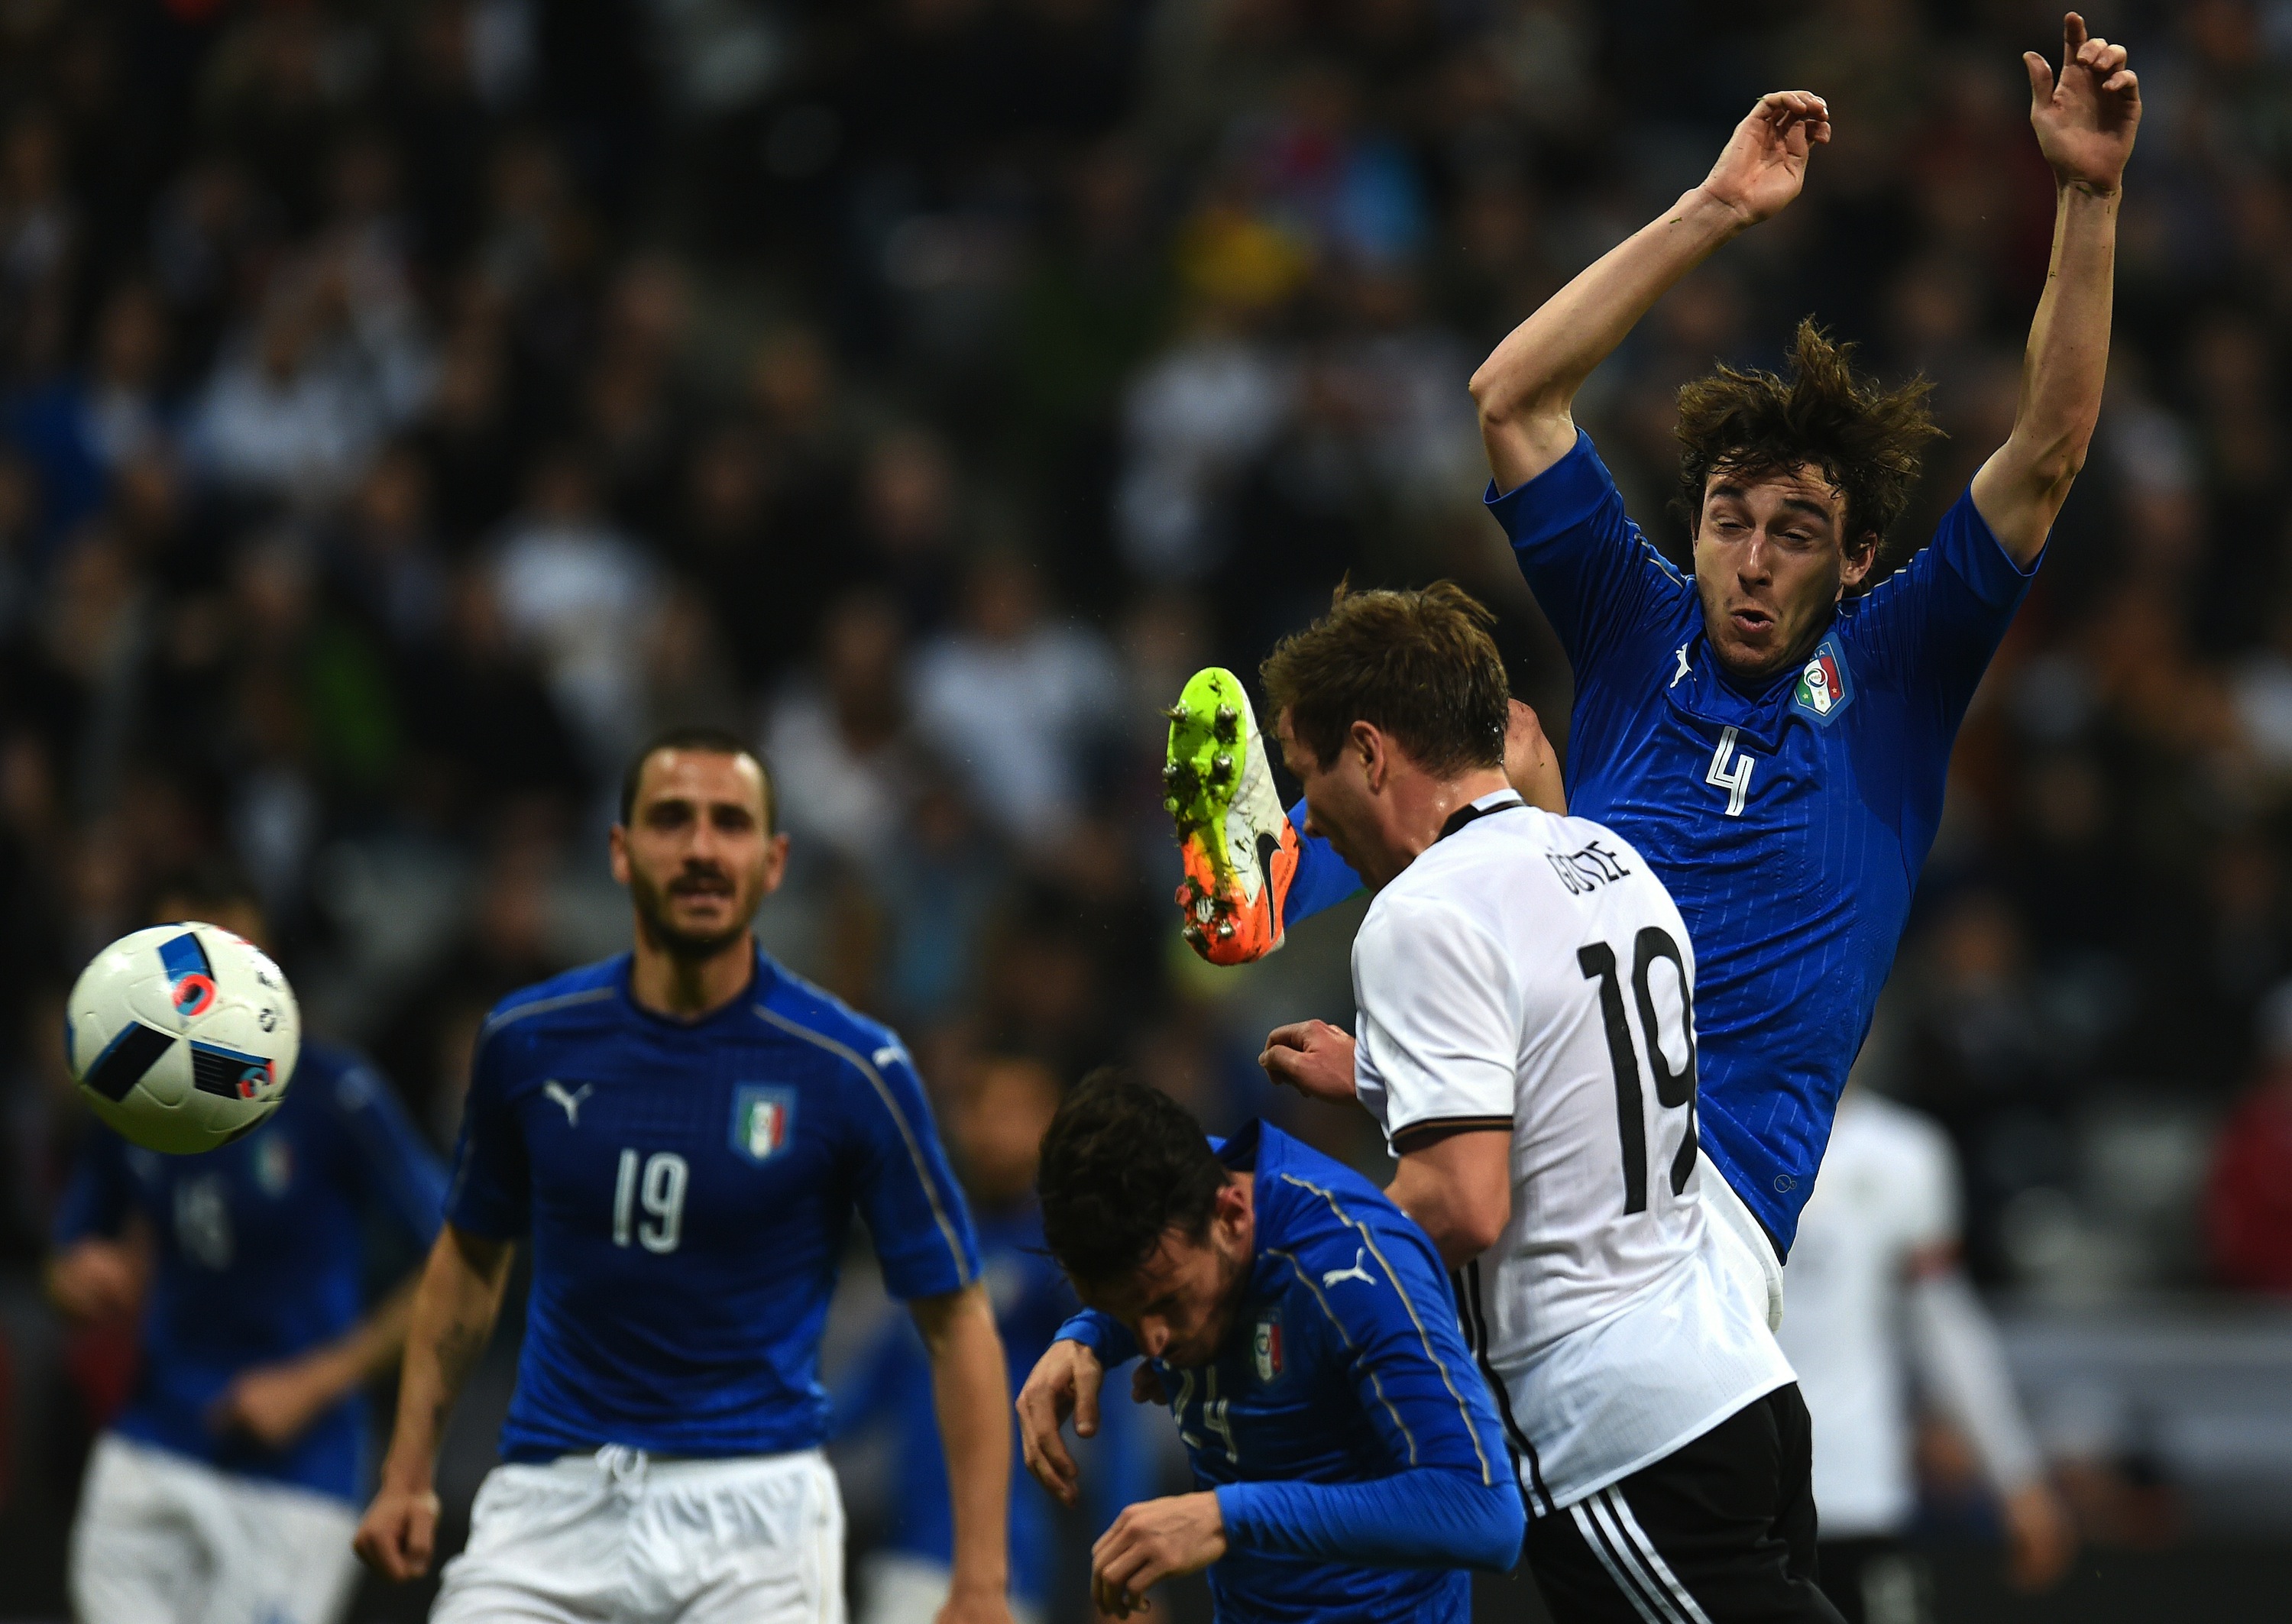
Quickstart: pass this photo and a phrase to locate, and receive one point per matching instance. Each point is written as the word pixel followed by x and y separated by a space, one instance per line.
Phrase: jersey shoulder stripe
pixel 817 1009
pixel 868 1068
pixel 589 984
pixel 1305 1278
pixel 1424 1336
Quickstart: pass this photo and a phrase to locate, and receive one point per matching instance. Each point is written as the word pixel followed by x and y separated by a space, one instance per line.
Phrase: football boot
pixel 1239 848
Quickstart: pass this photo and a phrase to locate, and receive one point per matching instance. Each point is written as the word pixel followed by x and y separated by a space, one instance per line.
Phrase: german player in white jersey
pixel 1527 1041
pixel 1878 1296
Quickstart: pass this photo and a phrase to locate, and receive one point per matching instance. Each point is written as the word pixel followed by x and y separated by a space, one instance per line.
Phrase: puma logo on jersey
pixel 571 1102
pixel 1330 1277
pixel 1679 654
pixel 884 1055
pixel 1735 779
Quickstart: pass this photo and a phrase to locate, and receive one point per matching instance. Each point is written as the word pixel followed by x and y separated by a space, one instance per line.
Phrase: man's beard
pixel 652 904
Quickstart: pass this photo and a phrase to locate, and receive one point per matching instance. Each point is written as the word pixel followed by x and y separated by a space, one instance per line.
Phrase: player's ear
pixel 776 850
pixel 1232 1208
pixel 617 842
pixel 1856 560
pixel 1367 743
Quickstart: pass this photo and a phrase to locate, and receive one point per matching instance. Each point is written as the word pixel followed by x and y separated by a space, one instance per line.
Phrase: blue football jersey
pixel 1790 823
pixel 1345 1364
pixel 261 1255
pixel 687 1188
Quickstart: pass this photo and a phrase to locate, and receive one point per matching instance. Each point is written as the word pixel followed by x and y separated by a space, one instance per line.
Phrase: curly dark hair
pixel 1122 1164
pixel 1865 439
pixel 1419 665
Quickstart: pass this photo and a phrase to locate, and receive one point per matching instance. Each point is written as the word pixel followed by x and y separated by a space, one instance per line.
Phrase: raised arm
pixel 2086 121
pixel 1525 388
pixel 455 1307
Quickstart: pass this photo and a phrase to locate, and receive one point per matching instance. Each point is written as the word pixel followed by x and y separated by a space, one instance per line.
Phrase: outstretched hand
pixel 1064 1382
pixel 1313 1057
pixel 2086 118
pixel 1763 163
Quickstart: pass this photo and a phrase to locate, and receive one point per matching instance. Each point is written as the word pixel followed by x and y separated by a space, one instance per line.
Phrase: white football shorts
pixel 1750 1265
pixel 620 1536
pixel 162 1539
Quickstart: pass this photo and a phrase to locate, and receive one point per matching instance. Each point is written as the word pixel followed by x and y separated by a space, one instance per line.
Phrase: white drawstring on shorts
pixel 625 1467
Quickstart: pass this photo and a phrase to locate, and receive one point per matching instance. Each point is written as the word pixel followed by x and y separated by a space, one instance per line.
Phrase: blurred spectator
pixel 1018 701
pixel 2248 1205
pixel 910 519
pixel 580 594
pixel 837 739
pixel 39 242
pixel 386 560
pixel 480 708
pixel 305 393
pixel 78 432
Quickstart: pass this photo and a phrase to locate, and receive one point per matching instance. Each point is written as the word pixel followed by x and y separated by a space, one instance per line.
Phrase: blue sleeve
pixel 400 1173
pixel 1102 1334
pixel 1433 1517
pixel 1936 622
pixel 915 1215
pixel 490 1194
pixel 1594 575
pixel 95 1199
pixel 1322 879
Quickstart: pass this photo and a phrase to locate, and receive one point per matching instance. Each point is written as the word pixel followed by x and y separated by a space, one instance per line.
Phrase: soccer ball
pixel 182 1037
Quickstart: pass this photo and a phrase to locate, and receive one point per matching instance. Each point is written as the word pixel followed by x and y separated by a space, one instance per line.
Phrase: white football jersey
pixel 1889 1189
pixel 1531 971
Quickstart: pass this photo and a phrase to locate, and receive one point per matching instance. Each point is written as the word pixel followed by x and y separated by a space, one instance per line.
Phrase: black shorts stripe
pixel 1646 1602
pixel 1695 1537
pixel 1631 1544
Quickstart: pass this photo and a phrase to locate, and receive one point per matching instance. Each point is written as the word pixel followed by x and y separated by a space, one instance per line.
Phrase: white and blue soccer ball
pixel 182 1037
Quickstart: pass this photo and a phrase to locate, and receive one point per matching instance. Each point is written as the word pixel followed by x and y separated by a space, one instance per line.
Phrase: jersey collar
pixel 1695 686
pixel 1487 805
pixel 764 977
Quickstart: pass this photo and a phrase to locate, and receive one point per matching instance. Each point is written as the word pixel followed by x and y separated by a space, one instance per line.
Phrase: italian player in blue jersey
pixel 227 1491
pixel 1772 730
pixel 684 1134
pixel 1348 1459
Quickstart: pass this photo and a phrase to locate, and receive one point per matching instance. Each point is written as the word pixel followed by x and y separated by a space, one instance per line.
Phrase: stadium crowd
pixel 406 408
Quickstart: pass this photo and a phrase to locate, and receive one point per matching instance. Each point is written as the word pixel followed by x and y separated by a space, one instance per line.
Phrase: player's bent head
pixel 1819 463
pixel 697 843
pixel 1143 1217
pixel 1419 666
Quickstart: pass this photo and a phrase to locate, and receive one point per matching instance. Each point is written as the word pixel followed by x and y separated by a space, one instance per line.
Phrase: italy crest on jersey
pixel 764 1119
pixel 1265 1346
pixel 1825 686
